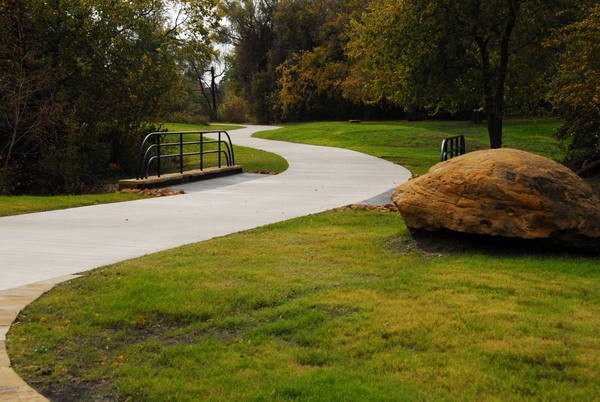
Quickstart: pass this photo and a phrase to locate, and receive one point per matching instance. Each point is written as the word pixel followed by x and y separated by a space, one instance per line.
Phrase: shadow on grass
pixel 452 243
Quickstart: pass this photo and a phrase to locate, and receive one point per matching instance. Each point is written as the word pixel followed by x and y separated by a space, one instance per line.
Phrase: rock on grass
pixel 505 193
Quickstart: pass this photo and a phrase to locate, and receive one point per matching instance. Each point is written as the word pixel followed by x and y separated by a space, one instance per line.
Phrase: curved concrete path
pixel 41 249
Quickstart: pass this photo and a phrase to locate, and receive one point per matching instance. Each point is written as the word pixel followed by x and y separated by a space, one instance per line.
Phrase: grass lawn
pixel 253 160
pixel 416 145
pixel 24 204
pixel 339 306
pixel 198 127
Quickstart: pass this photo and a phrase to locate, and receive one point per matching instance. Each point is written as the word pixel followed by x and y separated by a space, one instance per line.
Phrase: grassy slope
pixel 416 145
pixel 23 204
pixel 337 306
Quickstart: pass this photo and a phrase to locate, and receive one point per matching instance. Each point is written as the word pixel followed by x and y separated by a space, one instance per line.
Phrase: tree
pixel 29 103
pixel 288 60
pixel 576 90
pixel 198 60
pixel 79 81
pixel 311 73
pixel 454 55
pixel 250 31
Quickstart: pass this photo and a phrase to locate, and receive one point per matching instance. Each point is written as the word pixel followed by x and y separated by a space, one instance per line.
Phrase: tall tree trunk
pixel 497 113
pixel 493 115
pixel 494 118
pixel 495 78
pixel 494 123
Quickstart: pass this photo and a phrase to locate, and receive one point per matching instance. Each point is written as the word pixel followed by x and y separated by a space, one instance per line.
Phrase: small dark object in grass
pixel 354 121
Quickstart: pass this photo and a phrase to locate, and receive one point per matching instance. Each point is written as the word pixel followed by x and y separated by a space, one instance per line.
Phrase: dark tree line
pixel 79 82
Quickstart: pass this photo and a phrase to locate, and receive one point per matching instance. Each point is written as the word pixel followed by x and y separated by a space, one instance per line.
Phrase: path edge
pixel 12 301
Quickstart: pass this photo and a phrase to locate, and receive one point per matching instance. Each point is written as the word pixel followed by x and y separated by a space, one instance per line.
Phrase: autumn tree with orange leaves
pixel 310 80
pixel 576 91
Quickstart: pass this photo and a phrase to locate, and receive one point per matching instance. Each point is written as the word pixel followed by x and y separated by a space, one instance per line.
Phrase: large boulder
pixel 503 192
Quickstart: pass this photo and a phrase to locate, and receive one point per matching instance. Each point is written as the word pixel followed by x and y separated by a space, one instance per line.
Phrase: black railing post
pixel 181 153
pixel 158 155
pixel 201 151
pixel 230 149
pixel 219 153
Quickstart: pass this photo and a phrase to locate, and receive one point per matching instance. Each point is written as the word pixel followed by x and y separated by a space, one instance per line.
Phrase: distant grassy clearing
pixel 23 204
pixel 416 145
pixel 198 127
pixel 337 306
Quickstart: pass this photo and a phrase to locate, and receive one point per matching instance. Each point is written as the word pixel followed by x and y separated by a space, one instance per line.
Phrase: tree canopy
pixel 453 55
pixel 250 31
pixel 288 60
pixel 310 79
pixel 295 58
pixel 80 79
pixel 576 89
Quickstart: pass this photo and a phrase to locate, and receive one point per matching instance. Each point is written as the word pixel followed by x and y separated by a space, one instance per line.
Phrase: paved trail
pixel 38 250
pixel 42 246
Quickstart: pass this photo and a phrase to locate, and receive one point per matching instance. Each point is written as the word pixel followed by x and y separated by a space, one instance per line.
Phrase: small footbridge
pixel 173 157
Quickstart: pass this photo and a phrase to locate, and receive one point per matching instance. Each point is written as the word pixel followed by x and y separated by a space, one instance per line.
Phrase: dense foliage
pixel 288 60
pixel 250 32
pixel 79 79
pixel 455 55
pixel 302 60
pixel 577 91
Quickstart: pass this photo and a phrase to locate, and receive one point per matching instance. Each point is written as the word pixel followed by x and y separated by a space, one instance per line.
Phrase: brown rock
pixel 503 192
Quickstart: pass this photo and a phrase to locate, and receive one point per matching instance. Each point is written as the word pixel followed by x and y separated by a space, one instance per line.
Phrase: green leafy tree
pixel 30 103
pixel 250 31
pixel 79 79
pixel 576 90
pixel 455 55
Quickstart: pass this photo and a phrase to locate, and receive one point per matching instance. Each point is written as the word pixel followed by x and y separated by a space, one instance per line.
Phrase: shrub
pixel 234 109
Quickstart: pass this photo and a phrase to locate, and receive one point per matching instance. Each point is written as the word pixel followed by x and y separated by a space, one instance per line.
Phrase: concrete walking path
pixel 49 247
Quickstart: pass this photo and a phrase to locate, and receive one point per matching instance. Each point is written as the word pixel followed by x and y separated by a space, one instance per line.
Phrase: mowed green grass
pixel 416 145
pixel 333 307
pixel 198 127
pixel 23 204
pixel 253 160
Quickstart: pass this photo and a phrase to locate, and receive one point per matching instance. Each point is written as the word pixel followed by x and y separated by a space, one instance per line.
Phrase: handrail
pixel 153 143
pixel 451 147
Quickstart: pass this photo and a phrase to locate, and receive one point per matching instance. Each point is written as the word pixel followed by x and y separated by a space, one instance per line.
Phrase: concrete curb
pixel 12 301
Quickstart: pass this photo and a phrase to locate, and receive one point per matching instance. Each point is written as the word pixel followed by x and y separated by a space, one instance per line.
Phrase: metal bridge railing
pixel 154 144
pixel 451 147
